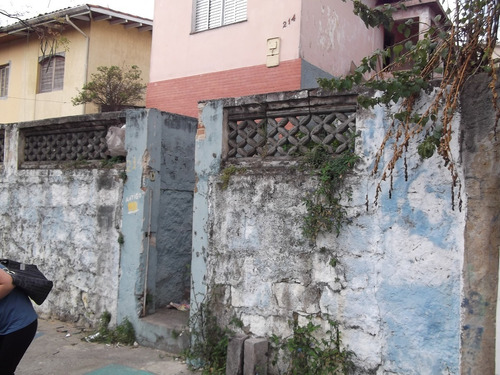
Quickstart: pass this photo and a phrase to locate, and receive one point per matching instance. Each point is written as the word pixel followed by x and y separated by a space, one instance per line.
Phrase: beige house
pixel 45 60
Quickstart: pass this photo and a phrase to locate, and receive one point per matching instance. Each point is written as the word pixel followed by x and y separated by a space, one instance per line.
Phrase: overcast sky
pixel 32 8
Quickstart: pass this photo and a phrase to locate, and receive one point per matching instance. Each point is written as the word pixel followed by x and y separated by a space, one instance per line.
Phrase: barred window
pixel 4 80
pixel 51 76
pixel 215 13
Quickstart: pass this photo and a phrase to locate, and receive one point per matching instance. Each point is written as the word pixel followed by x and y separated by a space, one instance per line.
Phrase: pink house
pixel 208 49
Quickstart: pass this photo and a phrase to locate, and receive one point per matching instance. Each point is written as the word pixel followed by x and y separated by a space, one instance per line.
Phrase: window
pixel 4 80
pixel 51 73
pixel 215 13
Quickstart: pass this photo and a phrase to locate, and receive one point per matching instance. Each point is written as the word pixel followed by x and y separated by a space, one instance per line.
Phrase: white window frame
pixel 4 80
pixel 54 72
pixel 211 14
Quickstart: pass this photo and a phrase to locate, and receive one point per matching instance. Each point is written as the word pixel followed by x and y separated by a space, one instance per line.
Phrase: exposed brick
pixel 183 94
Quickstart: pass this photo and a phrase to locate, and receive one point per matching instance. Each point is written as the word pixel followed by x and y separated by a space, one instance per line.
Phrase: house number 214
pixel 290 20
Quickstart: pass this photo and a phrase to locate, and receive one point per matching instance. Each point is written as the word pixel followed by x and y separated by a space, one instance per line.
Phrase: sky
pixel 32 8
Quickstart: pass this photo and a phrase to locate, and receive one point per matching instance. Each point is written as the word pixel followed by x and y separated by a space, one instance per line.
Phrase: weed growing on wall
pixel 325 209
pixel 309 353
pixel 112 161
pixel 227 173
pixel 121 238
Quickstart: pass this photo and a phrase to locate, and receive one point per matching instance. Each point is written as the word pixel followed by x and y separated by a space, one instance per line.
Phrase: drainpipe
pixel 86 65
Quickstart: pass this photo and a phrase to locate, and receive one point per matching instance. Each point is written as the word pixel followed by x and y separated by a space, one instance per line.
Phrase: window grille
pixel 215 13
pixel 51 74
pixel 4 80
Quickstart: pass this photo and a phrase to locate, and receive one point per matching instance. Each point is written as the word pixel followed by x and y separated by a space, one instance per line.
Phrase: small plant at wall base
pixel 209 350
pixel 307 354
pixel 123 333
pixel 449 50
pixel 325 210
pixel 112 88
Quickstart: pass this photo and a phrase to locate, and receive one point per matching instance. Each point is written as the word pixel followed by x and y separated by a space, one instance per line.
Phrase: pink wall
pixel 325 33
pixel 332 36
pixel 230 61
pixel 176 52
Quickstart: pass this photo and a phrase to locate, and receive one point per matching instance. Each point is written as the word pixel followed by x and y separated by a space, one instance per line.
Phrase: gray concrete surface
pixel 58 349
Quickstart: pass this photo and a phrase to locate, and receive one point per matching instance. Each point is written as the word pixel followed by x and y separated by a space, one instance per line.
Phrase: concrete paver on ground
pixel 60 348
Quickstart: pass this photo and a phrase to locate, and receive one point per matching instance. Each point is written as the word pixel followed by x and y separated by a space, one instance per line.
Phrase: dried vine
pixel 50 35
pixel 452 50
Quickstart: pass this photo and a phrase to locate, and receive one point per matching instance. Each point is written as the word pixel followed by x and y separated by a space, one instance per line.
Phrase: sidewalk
pixel 58 349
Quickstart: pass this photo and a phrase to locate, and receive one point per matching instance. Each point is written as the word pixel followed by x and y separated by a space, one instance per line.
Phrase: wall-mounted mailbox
pixel 273 52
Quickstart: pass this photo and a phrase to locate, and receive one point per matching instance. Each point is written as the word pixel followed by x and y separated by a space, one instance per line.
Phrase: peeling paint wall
pixel 157 214
pixel 481 159
pixel 110 239
pixel 329 29
pixel 396 283
pixel 67 221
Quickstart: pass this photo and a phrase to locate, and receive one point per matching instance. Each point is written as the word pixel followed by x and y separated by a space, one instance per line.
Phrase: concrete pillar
pixel 481 163
pixel 13 149
pixel 255 358
pixel 235 350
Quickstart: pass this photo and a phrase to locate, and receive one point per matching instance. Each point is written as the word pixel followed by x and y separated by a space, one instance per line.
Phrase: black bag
pixel 29 279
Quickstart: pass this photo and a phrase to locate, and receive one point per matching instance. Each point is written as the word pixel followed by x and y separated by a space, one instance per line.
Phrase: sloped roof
pixel 85 12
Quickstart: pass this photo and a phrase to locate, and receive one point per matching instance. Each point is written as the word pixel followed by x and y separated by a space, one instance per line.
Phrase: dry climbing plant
pixel 50 35
pixel 461 47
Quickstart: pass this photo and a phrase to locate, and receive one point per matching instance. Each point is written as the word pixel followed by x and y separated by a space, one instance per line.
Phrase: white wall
pixel 66 222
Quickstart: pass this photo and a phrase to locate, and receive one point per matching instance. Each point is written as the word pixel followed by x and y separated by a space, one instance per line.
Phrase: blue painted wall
pixel 396 287
pixel 157 214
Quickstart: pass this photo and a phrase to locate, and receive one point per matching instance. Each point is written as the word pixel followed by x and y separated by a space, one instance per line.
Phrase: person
pixel 18 324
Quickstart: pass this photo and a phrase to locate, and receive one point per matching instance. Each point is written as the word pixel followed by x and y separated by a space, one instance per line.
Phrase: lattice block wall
pixel 291 135
pixel 90 145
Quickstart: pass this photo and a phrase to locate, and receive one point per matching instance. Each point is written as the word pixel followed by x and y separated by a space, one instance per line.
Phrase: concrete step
pixel 166 329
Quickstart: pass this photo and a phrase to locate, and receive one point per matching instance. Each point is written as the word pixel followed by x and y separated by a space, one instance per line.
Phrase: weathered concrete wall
pixel 173 282
pixel 157 212
pixel 67 221
pixel 481 160
pixel 112 239
pixel 397 282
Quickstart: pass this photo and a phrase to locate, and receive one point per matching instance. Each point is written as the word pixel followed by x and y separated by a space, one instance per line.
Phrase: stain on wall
pixel 396 286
